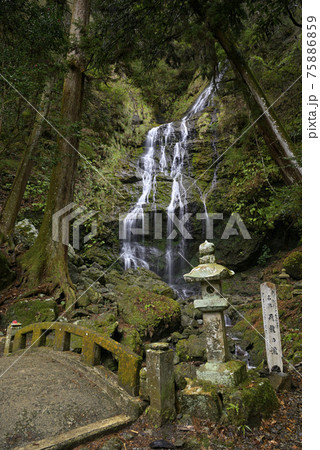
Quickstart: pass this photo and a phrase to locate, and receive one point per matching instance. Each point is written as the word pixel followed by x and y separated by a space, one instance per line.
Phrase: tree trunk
pixel 276 138
pixel 46 261
pixel 12 204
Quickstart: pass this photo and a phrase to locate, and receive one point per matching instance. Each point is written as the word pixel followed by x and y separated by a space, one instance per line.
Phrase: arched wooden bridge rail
pixel 92 342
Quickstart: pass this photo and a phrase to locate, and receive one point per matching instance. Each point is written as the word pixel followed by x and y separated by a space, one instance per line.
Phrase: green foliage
pixel 36 192
pixel 32 37
pixel 162 85
pixel 233 407
pixel 264 257
pixel 244 428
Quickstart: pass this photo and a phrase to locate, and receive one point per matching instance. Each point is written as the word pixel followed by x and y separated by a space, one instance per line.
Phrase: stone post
pixel 160 383
pixel 271 326
pixel 11 331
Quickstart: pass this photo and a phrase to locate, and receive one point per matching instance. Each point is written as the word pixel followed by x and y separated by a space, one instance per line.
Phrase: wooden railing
pixel 92 342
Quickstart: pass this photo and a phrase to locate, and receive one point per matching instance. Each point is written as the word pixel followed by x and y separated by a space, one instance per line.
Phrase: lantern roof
pixel 208 269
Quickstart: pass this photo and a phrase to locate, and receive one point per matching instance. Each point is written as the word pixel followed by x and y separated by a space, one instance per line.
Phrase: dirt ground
pixel 281 431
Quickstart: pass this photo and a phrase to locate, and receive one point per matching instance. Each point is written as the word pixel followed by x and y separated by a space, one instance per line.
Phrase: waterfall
pixel 158 159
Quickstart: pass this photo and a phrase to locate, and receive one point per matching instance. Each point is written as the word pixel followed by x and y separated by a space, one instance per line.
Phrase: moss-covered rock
pixel 106 324
pixel 293 265
pixel 140 304
pixel 94 273
pixel 148 280
pixel 188 314
pixel 284 291
pixel 250 402
pixel 150 314
pixel 6 274
pixel 87 297
pixel 100 255
pixel 176 336
pixel 32 311
pixel 192 349
pixel 200 400
pixel 245 404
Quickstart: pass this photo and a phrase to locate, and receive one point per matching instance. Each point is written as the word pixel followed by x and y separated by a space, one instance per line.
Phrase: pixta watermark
pixel 79 215
pixel 140 224
pixel 68 222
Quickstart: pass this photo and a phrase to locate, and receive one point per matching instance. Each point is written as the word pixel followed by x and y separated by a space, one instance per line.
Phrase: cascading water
pixel 133 252
pixel 158 159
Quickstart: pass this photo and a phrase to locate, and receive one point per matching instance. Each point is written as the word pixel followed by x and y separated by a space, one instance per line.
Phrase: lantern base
pixel 230 373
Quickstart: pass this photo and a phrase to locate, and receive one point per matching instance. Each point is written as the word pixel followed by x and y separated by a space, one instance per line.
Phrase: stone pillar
pixel 217 345
pixel 160 383
pixel 11 331
pixel 213 309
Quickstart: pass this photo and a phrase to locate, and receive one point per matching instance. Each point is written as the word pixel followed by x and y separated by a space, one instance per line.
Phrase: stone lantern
pixel 218 369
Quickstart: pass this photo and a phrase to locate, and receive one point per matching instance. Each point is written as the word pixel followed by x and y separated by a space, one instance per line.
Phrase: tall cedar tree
pixel 46 261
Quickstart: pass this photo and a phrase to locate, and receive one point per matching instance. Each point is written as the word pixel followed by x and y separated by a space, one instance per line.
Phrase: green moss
pixel 284 292
pixel 250 402
pixel 245 404
pixel 87 297
pixel 149 313
pixel 32 311
pixel 249 336
pixel 293 265
pixel 183 103
pixel 131 339
pixel 105 324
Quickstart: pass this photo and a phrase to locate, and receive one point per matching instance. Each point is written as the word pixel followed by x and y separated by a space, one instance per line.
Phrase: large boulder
pixel 152 315
pixel 149 280
pixel 144 303
pixel 250 402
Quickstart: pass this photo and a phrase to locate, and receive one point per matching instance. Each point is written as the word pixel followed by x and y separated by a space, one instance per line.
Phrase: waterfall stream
pixel 165 154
